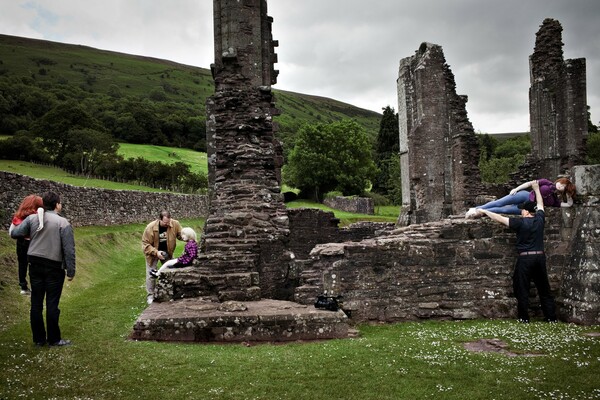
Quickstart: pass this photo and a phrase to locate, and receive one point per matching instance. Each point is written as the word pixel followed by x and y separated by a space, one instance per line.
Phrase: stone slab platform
pixel 197 320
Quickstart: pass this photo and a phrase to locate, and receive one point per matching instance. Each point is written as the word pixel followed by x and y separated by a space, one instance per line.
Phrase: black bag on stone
pixel 328 302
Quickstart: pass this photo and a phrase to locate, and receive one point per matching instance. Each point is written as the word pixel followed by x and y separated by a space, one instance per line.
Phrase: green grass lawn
pixel 416 360
pixel 168 155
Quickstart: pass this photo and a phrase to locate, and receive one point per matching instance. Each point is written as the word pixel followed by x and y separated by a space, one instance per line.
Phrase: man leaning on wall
pixel 531 260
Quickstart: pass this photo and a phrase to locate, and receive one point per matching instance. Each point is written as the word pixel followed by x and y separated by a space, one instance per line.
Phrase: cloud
pixel 348 50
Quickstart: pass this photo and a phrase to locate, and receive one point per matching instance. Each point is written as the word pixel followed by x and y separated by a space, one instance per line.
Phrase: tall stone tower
pixel 439 151
pixel 557 105
pixel 245 235
pixel 241 284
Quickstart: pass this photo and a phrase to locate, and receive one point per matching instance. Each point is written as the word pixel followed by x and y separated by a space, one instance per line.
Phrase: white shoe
pixel 472 213
pixel 149 299
pixel 25 292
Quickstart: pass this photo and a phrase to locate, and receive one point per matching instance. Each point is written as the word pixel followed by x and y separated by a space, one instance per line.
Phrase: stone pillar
pixel 557 105
pixel 580 292
pixel 439 151
pixel 245 235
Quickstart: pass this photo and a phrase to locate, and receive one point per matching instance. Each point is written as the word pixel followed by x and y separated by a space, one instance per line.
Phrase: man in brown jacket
pixel 158 243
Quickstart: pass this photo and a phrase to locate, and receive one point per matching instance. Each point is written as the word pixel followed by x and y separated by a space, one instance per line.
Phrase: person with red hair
pixel 559 193
pixel 30 205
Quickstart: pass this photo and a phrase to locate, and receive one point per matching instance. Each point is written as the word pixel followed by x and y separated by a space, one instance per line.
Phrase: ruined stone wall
pixel 557 105
pixel 243 247
pixel 91 206
pixel 244 59
pixel 360 205
pixel 243 36
pixel 580 294
pixel 438 147
pixel 461 269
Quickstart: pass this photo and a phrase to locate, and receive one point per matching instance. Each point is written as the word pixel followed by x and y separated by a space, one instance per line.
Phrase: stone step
pixel 191 282
pixel 197 320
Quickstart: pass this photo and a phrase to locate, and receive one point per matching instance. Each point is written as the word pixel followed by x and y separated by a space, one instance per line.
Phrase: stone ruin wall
pixel 245 236
pixel 92 206
pixel 456 268
pixel 439 150
pixel 449 269
pixel 557 108
pixel 460 269
pixel 359 205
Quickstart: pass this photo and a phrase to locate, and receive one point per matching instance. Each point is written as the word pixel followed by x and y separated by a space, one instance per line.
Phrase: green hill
pixel 195 159
pixel 127 93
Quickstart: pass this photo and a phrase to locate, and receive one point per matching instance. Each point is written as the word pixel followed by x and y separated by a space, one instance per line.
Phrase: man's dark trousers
pixel 47 281
pixel 528 268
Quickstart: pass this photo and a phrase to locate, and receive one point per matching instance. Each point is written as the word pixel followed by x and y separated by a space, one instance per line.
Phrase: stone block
pixel 195 320
pixel 587 179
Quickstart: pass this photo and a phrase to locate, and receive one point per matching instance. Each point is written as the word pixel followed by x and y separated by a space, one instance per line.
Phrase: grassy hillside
pixel 95 70
pixel 195 159
pixel 92 71
pixel 56 174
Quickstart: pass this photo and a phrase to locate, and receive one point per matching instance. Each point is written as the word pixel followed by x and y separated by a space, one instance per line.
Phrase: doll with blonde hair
pixel 186 258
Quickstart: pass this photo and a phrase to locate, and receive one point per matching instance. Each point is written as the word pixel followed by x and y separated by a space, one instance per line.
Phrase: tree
pixel 388 144
pixel 56 125
pixel 394 183
pixel 328 157
pixel 498 170
pixel 519 145
pixel 21 146
pixel 388 138
pixel 487 146
pixel 88 149
pixel 593 148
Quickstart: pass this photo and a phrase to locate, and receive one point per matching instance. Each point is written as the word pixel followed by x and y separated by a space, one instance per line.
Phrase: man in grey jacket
pixel 51 252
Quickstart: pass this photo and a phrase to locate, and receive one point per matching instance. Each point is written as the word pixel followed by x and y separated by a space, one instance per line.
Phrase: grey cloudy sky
pixel 348 50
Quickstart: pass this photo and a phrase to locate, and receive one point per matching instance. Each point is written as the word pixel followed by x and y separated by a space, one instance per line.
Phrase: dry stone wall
pixel 361 205
pixel 92 206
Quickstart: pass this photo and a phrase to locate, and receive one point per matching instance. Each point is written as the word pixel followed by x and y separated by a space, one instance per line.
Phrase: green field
pixel 168 155
pixel 382 213
pixel 51 173
pixel 413 360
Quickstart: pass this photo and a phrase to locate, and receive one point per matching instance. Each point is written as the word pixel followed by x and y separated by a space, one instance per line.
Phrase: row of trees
pixel 94 153
pixel 69 137
pixel 340 157
pixel 143 120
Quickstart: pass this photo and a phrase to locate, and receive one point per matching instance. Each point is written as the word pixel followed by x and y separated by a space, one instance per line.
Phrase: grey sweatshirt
pixel 54 242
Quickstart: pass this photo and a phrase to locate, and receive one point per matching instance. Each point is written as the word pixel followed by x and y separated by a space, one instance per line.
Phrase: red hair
pixel 569 187
pixel 29 206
